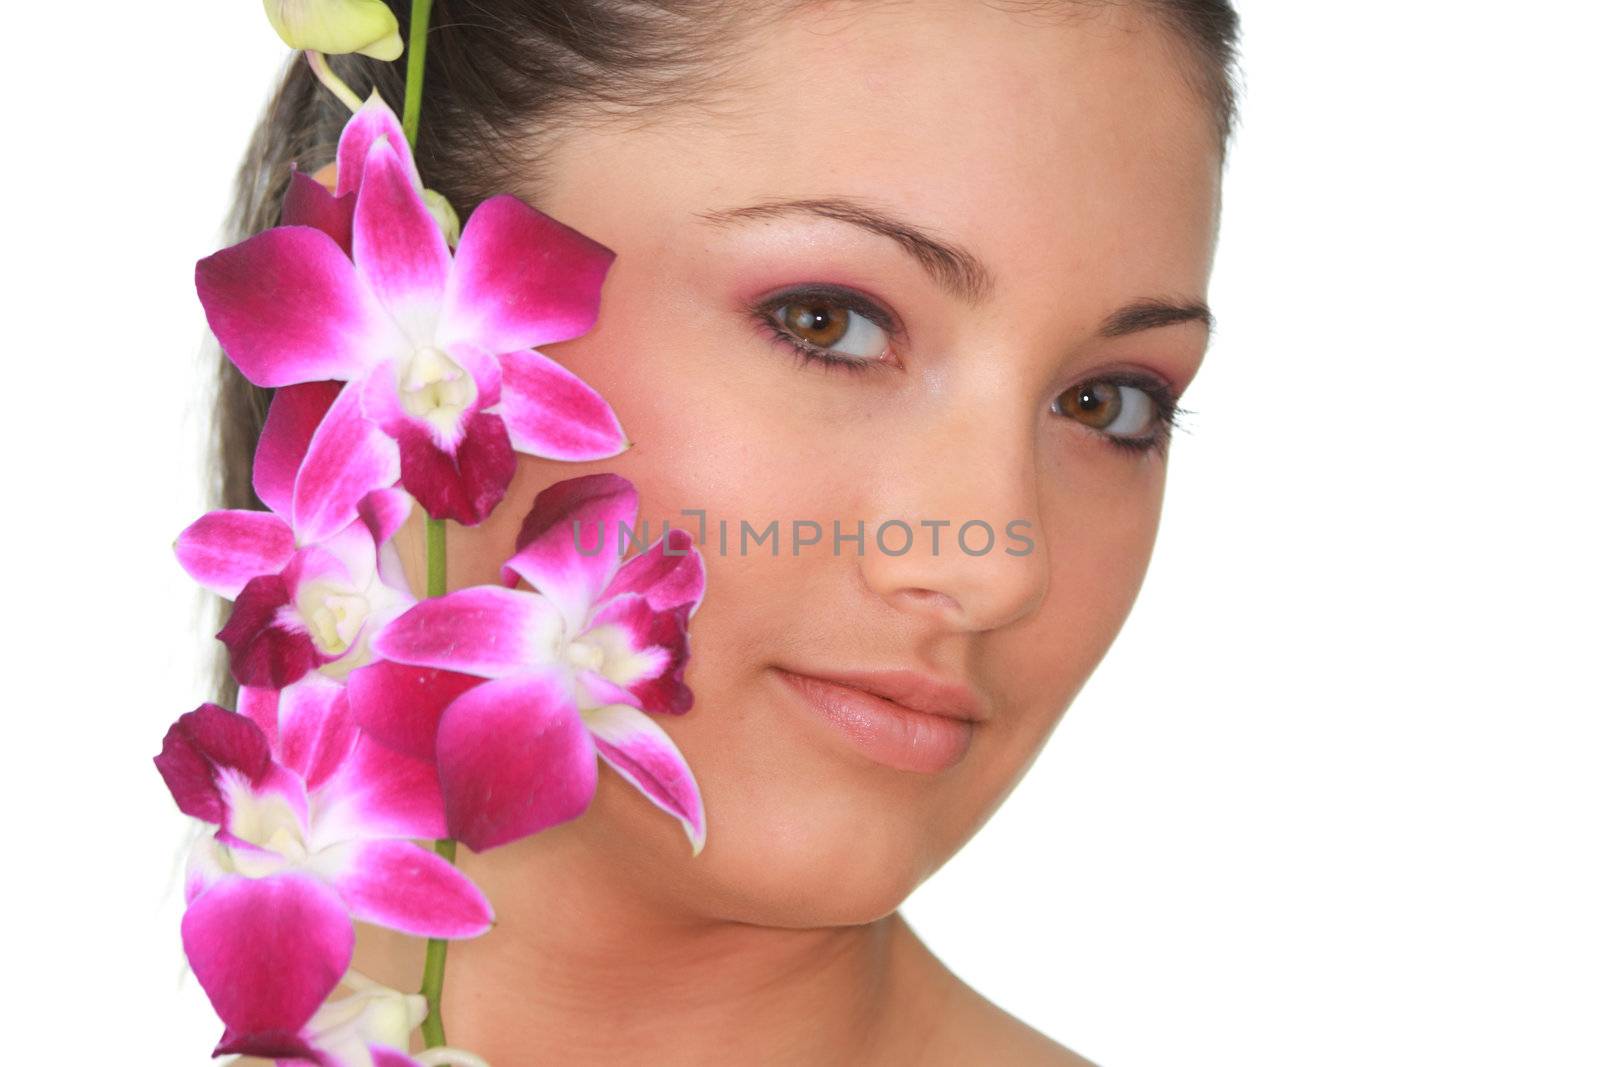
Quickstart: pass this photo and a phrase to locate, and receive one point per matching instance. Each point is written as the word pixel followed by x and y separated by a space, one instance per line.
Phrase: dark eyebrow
pixel 955 269
pixel 1151 314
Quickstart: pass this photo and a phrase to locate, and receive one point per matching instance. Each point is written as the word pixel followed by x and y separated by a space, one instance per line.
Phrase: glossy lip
pixel 902 719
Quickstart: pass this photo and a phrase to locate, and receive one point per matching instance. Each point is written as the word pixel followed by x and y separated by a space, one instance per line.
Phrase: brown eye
pixel 1095 403
pixel 1113 408
pixel 816 322
pixel 825 326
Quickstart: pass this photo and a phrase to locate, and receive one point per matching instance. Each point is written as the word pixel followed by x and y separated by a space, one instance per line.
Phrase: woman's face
pixel 1072 175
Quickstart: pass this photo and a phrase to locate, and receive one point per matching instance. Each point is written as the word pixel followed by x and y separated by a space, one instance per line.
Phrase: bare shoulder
pixel 961 1026
pixel 977 1030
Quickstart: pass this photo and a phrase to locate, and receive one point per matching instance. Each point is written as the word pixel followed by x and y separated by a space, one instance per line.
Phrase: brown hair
pixel 503 78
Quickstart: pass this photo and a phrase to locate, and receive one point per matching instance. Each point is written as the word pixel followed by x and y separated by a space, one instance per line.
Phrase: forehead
pixel 1047 145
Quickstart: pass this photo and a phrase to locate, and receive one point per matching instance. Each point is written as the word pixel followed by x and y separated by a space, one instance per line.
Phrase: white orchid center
pixel 585 656
pixel 334 615
pixel 436 388
pixel 268 821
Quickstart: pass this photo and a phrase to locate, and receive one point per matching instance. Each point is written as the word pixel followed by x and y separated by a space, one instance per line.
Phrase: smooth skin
pixel 1073 157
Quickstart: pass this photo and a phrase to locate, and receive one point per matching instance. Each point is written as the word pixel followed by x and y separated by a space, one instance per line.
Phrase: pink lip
pixel 902 719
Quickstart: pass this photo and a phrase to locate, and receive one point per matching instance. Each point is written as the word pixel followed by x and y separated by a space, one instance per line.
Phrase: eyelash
pixel 807 354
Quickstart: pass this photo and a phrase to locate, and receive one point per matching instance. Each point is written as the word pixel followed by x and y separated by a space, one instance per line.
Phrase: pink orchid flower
pixel 438 351
pixel 571 667
pixel 307 203
pixel 368 1027
pixel 315 827
pixel 300 603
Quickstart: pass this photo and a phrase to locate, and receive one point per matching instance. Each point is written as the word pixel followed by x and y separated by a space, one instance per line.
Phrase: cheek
pixel 798 832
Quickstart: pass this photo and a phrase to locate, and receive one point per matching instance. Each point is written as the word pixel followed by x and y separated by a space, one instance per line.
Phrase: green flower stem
pixel 436 572
pixel 417 54
pixel 332 82
pixel 433 965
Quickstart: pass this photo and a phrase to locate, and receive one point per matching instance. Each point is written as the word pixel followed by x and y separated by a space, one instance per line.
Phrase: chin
pixel 792 850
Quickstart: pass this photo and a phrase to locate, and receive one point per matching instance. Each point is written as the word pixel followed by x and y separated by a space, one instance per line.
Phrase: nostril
pixel 931 600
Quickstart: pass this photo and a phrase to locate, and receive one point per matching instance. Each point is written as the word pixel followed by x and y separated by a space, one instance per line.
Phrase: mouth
pixel 901 719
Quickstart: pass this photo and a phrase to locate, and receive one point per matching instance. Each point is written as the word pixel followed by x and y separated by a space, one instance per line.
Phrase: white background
pixel 1332 797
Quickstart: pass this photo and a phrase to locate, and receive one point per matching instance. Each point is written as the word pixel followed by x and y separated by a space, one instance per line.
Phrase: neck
pixel 587 965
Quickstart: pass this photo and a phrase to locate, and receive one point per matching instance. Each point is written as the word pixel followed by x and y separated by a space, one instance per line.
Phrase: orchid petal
pixel 204 867
pixel 223 550
pixel 645 651
pixel 348 458
pixel 405 887
pixel 357 555
pixel 400 705
pixel 596 690
pixel 567 545
pixel 307 203
pixel 642 752
pixel 404 394
pixel 484 630
pixel 278 1046
pixel 378 792
pixel 396 244
pixel 316 729
pixel 287 306
pixel 465 487
pixel 259 704
pixel 551 412
pixel 669 573
pixel 384 511
pixel 268 951
pixel 514 759
pixel 263 649
pixel 521 279
pixel 621 633
pixel 292 419
pixel 373 121
pixel 199 747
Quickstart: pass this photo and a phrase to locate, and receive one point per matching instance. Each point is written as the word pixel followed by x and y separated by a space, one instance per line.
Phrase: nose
pixel 956 537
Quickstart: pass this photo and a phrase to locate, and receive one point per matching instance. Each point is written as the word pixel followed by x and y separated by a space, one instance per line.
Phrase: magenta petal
pixel 522 279
pixel 202 744
pixel 316 729
pixel 384 511
pixel 295 413
pixel 400 705
pixel 262 650
pixel 514 759
pixel 405 887
pixel 484 630
pixel 348 458
pixel 551 412
pixel 567 547
pixel 280 1046
pixel 384 1056
pixel 397 246
pixel 663 639
pixel 373 121
pixel 268 951
pixel 598 690
pixel 642 753
pixel 464 487
pixel 307 203
pixel 669 574
pixel 378 792
pixel 259 704
pixel 223 550
pixel 288 306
